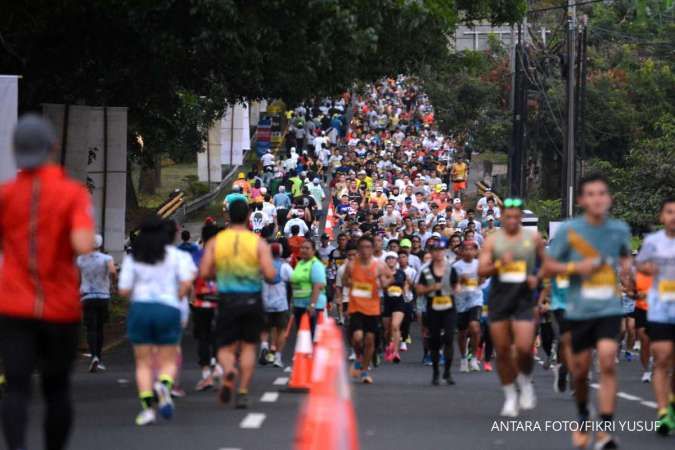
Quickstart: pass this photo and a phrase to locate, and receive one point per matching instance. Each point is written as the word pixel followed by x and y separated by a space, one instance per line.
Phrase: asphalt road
pixel 400 411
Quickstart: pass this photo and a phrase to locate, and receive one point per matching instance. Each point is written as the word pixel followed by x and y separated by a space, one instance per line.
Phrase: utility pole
pixel 571 78
pixel 515 166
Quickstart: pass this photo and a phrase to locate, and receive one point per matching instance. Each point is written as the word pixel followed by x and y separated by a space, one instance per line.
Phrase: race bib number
pixel 362 290
pixel 667 290
pixel 601 285
pixel 563 281
pixel 394 291
pixel 441 302
pixel 513 272
pixel 470 284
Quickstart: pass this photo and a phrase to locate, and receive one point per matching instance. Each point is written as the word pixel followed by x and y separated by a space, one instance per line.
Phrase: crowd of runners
pixel 366 215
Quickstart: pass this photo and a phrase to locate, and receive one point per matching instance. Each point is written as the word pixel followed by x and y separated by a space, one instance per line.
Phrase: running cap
pixel 34 138
pixel 405 243
pixel 440 245
pixel 390 255
pixel 98 241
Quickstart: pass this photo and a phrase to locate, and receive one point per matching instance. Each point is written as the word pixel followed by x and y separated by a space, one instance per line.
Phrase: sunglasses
pixel 513 203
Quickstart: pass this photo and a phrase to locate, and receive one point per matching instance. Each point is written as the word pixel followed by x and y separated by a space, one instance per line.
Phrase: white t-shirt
pixel 95 276
pixel 157 283
pixel 470 293
pixel 267 159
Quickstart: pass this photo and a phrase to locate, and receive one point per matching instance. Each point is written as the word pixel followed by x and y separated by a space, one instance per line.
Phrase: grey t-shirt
pixel 95 275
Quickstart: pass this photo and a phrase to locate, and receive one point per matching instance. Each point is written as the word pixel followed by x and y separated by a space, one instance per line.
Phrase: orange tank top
pixel 363 295
pixel 642 285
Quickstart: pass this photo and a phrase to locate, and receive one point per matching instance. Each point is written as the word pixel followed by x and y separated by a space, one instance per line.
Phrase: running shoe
pixel 647 377
pixel 487 366
pixel 262 358
pixel 474 366
pixel 408 340
pixel 93 365
pixel 352 356
pixel 355 370
pixel 389 352
pixel 527 399
pixel 225 393
pixel 581 439
pixel 605 442
pixel 277 361
pixel 165 403
pixel 464 365
pixel 396 358
pixel 628 356
pixel 146 417
pixel 510 407
pixel 559 378
pixel 177 392
pixel 365 378
pixel 427 360
pixel 204 384
pixel 403 347
pixel 447 379
pixel 666 424
pixel 270 358
pixel 241 401
pixel 101 366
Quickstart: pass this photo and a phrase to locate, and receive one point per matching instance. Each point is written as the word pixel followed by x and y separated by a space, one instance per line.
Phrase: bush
pixel 546 209
pixel 194 187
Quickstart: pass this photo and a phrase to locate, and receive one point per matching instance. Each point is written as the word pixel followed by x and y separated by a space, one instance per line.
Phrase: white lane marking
pixel 281 381
pixel 229 448
pixel 269 397
pixel 628 396
pixel 595 385
pixel 252 421
pixel 650 404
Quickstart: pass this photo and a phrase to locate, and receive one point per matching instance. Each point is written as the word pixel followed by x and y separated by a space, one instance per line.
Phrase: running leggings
pixel 547 336
pixel 25 345
pixel 487 340
pixel 441 334
pixel 202 320
pixel 95 317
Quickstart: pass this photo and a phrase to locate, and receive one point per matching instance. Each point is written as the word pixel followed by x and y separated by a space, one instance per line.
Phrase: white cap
pixel 390 255
pixel 456 201
pixel 98 241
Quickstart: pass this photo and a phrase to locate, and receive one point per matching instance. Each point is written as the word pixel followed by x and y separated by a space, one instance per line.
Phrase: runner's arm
pixel 486 266
pixel 385 275
pixel 207 266
pixel 266 263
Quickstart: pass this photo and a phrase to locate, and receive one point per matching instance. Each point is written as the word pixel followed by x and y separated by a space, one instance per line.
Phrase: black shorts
pixel 392 305
pixel 563 324
pixel 514 308
pixel 276 319
pixel 659 331
pixel 240 318
pixel 362 322
pixel 468 316
pixel 640 316
pixel 587 333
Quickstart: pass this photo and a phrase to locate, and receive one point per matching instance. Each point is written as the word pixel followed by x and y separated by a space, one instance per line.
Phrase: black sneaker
pixel 562 379
pixel 434 379
pixel 225 393
pixel 262 359
pixel 242 401
pixel 447 377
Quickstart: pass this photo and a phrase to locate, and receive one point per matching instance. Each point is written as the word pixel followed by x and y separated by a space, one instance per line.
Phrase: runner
pixel 239 260
pixel 559 288
pixel 275 302
pixel 308 281
pixel 96 271
pixel 469 305
pixel 589 249
pixel 156 279
pixel 643 284
pixel 394 308
pixel 365 276
pixel 657 259
pixel 437 281
pixel 509 256
pixel 40 307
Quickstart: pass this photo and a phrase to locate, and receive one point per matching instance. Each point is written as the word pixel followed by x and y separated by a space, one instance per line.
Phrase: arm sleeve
pixel 126 280
pixel 81 217
pixel 318 274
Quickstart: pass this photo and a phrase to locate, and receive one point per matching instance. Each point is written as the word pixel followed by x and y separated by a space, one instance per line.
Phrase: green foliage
pixel 547 210
pixel 195 188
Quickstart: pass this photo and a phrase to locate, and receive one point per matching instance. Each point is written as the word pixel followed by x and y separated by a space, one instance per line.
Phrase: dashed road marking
pixel 252 421
pixel 281 381
pixel 628 396
pixel 269 397
pixel 649 404
pixel 229 448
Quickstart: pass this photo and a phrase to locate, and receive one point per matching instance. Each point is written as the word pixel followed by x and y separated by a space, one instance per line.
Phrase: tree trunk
pixel 132 200
pixel 150 175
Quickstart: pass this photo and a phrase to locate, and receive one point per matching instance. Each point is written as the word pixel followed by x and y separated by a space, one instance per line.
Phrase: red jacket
pixel 38 277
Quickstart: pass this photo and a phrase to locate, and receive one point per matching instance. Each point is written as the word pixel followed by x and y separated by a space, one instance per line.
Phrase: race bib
pixel 667 290
pixel 470 284
pixel 601 285
pixel 362 290
pixel 394 291
pixel 441 302
pixel 513 272
pixel 563 281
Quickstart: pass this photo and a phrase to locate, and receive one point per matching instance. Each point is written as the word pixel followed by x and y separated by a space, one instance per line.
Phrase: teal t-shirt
pixel 559 288
pixel 596 295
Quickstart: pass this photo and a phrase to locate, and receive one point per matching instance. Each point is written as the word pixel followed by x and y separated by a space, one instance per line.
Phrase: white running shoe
pixel 165 401
pixel 510 408
pixel 101 366
pixel 93 365
pixel 527 399
pixel 277 360
pixel 647 377
pixel 403 347
pixel 352 356
pixel 474 366
pixel 146 417
pixel 464 365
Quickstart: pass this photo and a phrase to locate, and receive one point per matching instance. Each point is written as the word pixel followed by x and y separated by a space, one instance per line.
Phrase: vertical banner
pixel 209 165
pixel 235 134
pixel 9 100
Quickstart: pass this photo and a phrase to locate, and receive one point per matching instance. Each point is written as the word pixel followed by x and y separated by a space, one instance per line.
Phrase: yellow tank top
pixel 237 263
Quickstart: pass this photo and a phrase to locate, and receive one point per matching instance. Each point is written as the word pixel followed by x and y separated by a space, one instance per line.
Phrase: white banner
pixel 9 99
pixel 235 134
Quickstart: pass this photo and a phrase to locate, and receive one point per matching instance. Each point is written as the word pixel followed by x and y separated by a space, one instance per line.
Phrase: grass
pixel 172 176
pixel 494 157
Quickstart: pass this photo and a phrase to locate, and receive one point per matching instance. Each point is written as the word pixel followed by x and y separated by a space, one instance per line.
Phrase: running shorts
pixel 512 308
pixel 563 324
pixel 362 322
pixel 659 331
pixel 153 324
pixel 240 318
pixel 276 319
pixel 468 316
pixel 587 333
pixel 640 316
pixel 458 185
pixel 392 305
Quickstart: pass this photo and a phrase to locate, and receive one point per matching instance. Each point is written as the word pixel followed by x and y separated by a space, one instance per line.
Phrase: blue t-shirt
pixel 660 249
pixel 596 295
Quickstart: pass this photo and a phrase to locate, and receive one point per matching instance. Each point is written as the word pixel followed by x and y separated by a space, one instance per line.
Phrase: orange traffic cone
pixel 302 360
pixel 319 326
